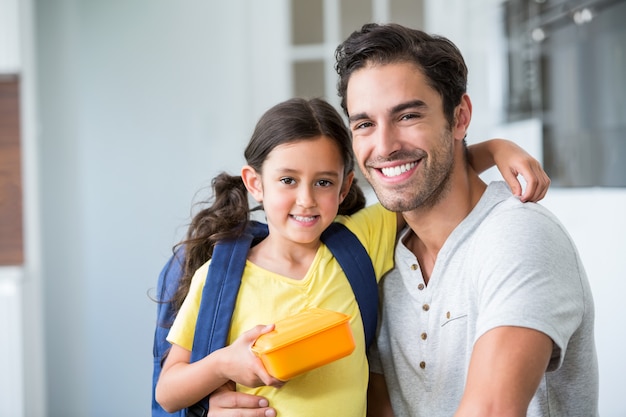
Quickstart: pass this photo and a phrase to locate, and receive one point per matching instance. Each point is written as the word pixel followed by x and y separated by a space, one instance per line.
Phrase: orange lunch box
pixel 305 341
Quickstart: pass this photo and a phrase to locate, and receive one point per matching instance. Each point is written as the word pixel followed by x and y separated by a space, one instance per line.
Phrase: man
pixel 488 311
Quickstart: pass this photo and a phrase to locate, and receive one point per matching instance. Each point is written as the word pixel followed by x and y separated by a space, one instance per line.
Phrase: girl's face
pixel 301 186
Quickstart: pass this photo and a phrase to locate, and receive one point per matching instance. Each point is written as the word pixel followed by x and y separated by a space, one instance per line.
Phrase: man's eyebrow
pixel 413 104
pixel 358 116
pixel 398 108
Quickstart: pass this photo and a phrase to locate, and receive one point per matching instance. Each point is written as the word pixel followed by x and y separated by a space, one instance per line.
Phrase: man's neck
pixel 432 225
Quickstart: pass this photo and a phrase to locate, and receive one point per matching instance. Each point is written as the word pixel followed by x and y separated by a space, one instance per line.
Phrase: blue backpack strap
pixel 219 296
pixel 357 265
pixel 220 291
pixel 166 288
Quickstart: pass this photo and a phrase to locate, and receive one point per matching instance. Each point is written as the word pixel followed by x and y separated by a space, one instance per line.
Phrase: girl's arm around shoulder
pixel 511 161
pixel 183 384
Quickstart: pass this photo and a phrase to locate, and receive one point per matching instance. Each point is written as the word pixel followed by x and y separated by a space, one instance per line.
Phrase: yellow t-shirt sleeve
pixel 184 326
pixel 376 228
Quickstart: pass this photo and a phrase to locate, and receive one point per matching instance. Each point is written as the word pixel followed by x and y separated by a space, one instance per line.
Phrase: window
pixel 567 61
pixel 318 26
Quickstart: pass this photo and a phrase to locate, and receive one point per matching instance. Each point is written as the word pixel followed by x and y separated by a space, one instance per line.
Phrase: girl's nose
pixel 305 198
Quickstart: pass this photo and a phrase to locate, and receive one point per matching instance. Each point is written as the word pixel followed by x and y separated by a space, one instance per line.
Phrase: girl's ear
pixel 345 188
pixel 252 180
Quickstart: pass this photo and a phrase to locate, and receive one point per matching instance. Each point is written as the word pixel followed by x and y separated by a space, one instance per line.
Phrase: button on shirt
pixel 421 314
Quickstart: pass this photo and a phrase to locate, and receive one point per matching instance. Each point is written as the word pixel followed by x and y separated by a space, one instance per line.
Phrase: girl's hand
pixel 183 384
pixel 512 161
pixel 243 366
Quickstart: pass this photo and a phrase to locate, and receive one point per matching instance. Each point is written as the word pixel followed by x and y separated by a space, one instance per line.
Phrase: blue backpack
pixel 222 286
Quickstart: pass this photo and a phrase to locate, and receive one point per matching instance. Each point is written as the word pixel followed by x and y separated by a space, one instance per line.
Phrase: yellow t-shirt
pixel 340 387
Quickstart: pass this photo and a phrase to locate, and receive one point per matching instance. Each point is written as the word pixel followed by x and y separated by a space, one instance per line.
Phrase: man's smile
pixel 398 169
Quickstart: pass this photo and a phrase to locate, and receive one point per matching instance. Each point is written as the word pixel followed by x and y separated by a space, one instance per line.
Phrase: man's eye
pixel 363 125
pixel 410 116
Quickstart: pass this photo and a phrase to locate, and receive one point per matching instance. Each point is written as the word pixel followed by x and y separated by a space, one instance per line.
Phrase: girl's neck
pixel 290 260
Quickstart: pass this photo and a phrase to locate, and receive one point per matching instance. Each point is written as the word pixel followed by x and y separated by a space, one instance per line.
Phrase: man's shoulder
pixel 504 207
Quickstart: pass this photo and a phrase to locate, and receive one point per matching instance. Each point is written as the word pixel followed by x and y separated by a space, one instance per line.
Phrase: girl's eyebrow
pixel 289 171
pixel 398 108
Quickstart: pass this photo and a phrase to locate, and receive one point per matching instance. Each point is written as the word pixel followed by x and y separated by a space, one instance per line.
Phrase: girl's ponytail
pixel 354 201
pixel 226 217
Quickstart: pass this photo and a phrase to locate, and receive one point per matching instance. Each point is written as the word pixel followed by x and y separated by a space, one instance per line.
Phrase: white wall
pixel 9 29
pixel 596 220
pixel 141 103
pixel 595 217
pixel 11 356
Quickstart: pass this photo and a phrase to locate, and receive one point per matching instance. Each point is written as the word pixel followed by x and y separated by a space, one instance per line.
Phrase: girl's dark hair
pixel 438 58
pixel 293 120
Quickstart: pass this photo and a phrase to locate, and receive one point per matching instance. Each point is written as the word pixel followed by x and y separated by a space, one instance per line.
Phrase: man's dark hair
pixel 437 57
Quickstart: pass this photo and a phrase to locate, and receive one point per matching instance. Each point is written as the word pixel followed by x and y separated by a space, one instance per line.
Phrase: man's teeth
pixel 397 170
pixel 304 219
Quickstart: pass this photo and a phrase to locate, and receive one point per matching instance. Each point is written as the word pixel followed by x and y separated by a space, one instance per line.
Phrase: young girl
pixel 300 167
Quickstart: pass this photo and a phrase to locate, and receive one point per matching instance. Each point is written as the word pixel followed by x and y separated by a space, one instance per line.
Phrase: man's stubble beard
pixel 425 189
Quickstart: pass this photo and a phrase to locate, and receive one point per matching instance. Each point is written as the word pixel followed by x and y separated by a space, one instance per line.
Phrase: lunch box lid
pixel 297 327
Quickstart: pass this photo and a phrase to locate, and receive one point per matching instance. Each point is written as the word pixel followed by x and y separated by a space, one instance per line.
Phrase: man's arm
pixel 378 403
pixel 506 367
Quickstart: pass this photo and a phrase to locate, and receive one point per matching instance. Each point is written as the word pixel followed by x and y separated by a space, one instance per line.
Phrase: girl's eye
pixel 324 183
pixel 287 181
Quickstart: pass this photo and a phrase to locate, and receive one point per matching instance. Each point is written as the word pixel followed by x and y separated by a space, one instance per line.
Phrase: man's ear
pixel 252 180
pixel 345 187
pixel 462 117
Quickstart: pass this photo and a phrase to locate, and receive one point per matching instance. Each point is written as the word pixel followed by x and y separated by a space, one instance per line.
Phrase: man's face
pixel 402 141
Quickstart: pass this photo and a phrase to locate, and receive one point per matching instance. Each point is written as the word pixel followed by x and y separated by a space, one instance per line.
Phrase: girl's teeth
pixel 303 219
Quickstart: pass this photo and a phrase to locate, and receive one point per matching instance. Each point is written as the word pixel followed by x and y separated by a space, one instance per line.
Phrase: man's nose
pixel 386 139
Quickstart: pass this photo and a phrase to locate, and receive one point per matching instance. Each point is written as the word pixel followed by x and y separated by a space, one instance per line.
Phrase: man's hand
pixel 226 402
pixel 378 402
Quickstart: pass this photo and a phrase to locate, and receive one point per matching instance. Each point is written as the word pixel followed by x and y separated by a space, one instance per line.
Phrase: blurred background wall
pixel 127 109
